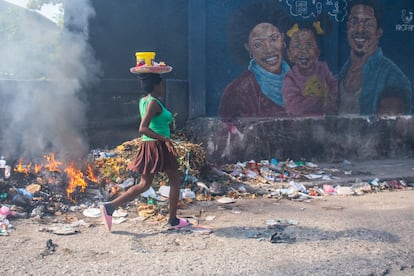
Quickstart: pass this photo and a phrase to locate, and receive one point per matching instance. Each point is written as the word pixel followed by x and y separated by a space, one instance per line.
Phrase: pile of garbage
pixel 53 188
pixel 298 180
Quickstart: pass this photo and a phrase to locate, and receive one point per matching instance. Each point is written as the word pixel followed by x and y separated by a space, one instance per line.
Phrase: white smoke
pixel 48 71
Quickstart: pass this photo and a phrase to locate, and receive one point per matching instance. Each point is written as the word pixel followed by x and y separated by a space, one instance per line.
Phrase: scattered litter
pixel 270 222
pixel 119 220
pixel 92 212
pixel 236 211
pixel 225 200
pixel 188 193
pixel 151 193
pixel 39 190
pixel 205 230
pixel 50 248
pixel 119 213
pixel 344 190
pixel 333 207
pixel 60 229
pixel 210 218
pixel 280 237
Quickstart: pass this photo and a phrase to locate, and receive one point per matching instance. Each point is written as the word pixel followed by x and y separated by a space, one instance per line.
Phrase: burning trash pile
pixel 51 187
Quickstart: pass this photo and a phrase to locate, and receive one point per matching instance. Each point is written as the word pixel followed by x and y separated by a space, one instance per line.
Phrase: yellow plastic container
pixel 145 57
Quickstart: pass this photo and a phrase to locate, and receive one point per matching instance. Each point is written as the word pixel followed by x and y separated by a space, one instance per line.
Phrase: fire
pixel 91 174
pixel 76 179
pixel 37 168
pixel 20 168
pixel 52 165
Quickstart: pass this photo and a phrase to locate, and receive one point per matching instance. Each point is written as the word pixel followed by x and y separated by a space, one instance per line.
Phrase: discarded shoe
pixel 182 223
pixel 106 218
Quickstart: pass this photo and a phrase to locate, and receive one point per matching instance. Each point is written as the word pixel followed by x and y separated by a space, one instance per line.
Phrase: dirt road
pixel 335 235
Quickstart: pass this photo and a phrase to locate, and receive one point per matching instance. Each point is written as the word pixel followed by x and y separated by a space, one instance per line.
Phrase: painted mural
pixel 318 58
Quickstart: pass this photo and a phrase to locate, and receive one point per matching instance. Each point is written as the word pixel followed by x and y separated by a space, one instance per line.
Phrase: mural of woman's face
pixel 303 51
pixel 363 34
pixel 266 47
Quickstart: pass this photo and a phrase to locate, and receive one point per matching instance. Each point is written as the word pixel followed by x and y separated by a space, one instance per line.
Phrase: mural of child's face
pixel 266 47
pixel 363 34
pixel 303 51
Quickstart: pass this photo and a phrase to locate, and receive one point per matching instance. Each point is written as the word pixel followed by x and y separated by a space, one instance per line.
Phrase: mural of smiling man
pixel 368 76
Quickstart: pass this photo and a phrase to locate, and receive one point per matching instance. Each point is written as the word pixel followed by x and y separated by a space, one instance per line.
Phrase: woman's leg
pixel 134 191
pixel 109 208
pixel 174 196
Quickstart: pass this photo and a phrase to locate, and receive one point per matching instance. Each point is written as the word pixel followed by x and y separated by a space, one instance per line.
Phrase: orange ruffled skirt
pixel 153 157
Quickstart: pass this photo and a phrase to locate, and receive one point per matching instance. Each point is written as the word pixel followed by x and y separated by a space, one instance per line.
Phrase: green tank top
pixel 160 123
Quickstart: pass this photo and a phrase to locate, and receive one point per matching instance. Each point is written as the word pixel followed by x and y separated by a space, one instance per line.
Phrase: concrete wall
pixel 313 139
pixel 191 36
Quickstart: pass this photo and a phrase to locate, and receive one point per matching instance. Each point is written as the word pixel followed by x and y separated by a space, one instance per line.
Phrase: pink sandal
pixel 106 218
pixel 182 223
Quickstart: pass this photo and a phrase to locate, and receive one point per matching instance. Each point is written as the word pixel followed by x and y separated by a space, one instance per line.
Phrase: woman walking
pixel 156 154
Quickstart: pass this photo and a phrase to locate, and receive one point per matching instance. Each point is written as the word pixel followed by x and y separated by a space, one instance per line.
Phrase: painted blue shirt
pixel 380 75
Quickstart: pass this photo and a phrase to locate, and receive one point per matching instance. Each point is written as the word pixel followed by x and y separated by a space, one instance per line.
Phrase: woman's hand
pixel 170 146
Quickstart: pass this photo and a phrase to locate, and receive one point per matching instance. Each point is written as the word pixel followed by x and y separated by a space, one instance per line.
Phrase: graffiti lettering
pixel 404 28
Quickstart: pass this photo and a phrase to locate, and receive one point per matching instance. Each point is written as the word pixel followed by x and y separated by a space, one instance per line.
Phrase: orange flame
pixel 53 165
pixel 20 168
pixel 91 174
pixel 76 179
pixel 37 168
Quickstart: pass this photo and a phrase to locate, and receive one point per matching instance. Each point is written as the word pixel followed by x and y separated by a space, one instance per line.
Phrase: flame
pixel 20 168
pixel 91 174
pixel 37 168
pixel 52 165
pixel 76 179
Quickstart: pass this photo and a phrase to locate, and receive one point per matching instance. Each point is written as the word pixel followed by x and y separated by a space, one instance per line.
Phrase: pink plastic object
pixel 4 211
